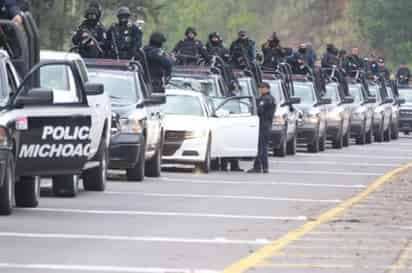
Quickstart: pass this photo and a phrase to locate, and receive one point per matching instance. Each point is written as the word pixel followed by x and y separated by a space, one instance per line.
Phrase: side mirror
pixel 155 100
pixel 294 100
pixel 221 113
pixel 401 101
pixel 37 97
pixel 371 100
pixel 94 89
pixel 387 100
pixel 348 100
pixel 325 101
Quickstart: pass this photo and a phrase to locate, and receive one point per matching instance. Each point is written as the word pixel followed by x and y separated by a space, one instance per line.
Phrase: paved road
pixel 188 222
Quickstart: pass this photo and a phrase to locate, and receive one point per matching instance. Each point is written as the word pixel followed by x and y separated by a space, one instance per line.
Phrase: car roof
pixel 59 55
pixel 182 92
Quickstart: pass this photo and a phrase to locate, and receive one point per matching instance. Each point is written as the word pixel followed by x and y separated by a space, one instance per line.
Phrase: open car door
pixel 52 122
pixel 235 128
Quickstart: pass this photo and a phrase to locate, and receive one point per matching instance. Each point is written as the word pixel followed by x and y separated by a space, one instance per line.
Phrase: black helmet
pixel 157 39
pixel 92 11
pixel 191 30
pixel 96 4
pixel 215 35
pixel 123 11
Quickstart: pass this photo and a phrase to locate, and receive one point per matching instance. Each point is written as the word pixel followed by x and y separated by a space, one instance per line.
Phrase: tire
pixel 346 139
pixel 28 192
pixel 395 132
pixel 369 137
pixel 338 142
pixel 291 146
pixel 406 133
pixel 282 150
pixel 314 147
pixel 322 144
pixel 94 179
pixel 65 185
pixel 7 190
pixel 361 140
pixel 205 166
pixel 214 165
pixel 387 135
pixel 379 135
pixel 153 166
pixel 136 174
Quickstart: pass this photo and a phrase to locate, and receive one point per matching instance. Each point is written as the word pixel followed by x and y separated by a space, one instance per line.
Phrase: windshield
pixel 119 85
pixel 183 106
pixel 246 87
pixel 356 93
pixel 406 94
pixel 206 86
pixel 305 92
pixel 332 93
pixel 374 91
pixel 276 90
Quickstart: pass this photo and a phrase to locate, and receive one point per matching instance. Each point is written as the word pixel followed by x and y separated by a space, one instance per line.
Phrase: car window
pixel 83 70
pixel 247 87
pixel 374 91
pixel 356 93
pixel 305 92
pixel 183 106
pixel 406 94
pixel 276 91
pixel 206 86
pixel 332 93
pixel 60 79
pixel 119 85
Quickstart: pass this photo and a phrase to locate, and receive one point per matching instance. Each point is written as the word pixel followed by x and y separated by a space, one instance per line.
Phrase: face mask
pixel 123 20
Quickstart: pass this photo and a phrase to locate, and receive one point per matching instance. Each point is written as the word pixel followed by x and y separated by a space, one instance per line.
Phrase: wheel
pixel 322 143
pixel 153 165
pixel 395 132
pixel 206 165
pixel 361 140
pixel 282 150
pixel 28 192
pixel 387 134
pixel 94 179
pixel 406 133
pixel 291 146
pixel 380 133
pixel 214 165
pixel 314 147
pixel 65 185
pixel 369 137
pixel 346 139
pixel 338 142
pixel 137 172
pixel 7 190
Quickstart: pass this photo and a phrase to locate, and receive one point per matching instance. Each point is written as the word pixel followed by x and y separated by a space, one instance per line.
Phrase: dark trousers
pixel 262 159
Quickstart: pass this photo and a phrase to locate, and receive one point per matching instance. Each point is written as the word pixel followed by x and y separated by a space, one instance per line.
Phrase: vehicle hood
pixel 305 107
pixel 185 123
pixel 125 111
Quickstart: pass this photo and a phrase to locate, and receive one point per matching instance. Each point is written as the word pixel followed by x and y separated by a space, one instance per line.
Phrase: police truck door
pixel 52 122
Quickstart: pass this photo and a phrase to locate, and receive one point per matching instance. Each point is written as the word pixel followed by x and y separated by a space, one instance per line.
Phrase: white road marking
pixel 326 173
pixel 259 183
pixel 235 197
pixel 342 155
pixel 170 214
pixel 219 241
pixel 100 268
pixel 334 163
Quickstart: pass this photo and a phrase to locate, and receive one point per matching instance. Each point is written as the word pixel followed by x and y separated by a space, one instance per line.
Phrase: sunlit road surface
pixel 231 222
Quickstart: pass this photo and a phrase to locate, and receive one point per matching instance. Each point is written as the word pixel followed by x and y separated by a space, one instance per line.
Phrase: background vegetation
pixel 380 26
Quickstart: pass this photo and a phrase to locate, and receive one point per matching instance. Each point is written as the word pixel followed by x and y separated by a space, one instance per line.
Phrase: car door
pixel 235 128
pixel 52 136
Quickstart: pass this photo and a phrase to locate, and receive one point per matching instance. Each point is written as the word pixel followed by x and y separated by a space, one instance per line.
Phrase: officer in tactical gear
pixel 382 70
pixel 160 64
pixel 310 55
pixel 215 47
pixel 190 50
pixel 330 58
pixel 273 53
pixel 10 10
pixel 124 38
pixel 91 36
pixel 266 108
pixel 353 62
pixel 298 63
pixel 243 51
pixel 403 75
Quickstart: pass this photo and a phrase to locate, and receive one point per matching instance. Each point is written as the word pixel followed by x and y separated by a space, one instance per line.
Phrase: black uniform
pixel 91 39
pixel 266 109
pixel 8 9
pixel 241 49
pixel 124 40
pixel 189 51
pixel 352 64
pixel 330 58
pixel 217 48
pixel 298 64
pixel 403 75
pixel 273 54
pixel 160 65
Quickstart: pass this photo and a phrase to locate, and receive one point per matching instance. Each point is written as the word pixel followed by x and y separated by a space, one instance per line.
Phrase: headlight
pixel 279 120
pixel 195 134
pixel 3 137
pixel 131 126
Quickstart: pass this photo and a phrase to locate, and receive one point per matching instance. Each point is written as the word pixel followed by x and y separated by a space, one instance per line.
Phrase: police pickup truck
pixel 46 124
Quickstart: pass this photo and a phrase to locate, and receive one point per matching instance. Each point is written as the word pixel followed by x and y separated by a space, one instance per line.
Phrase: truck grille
pixel 175 136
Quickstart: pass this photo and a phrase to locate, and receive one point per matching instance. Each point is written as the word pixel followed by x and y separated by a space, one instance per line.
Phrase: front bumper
pixel 185 151
pixel 334 129
pixel 125 150
pixel 356 127
pixel 307 133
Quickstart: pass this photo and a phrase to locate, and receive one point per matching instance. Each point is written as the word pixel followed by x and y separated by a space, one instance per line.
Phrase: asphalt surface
pixel 195 223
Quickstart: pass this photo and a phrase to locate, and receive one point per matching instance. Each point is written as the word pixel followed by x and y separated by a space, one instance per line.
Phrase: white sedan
pixel 199 129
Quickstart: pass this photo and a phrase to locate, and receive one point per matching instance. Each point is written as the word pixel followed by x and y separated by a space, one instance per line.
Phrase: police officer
pixel 353 62
pixel 124 38
pixel 215 47
pixel 403 75
pixel 91 36
pixel 273 53
pixel 298 63
pixel 266 109
pixel 243 51
pixel 190 50
pixel 160 65
pixel 382 70
pixel 330 58
pixel 11 11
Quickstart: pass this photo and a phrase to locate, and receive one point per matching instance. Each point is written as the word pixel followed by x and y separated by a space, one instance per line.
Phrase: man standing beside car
pixel 266 105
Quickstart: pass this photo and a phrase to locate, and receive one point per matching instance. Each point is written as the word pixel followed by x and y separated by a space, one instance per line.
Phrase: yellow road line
pixel 328 266
pixel 276 246
pixel 402 261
